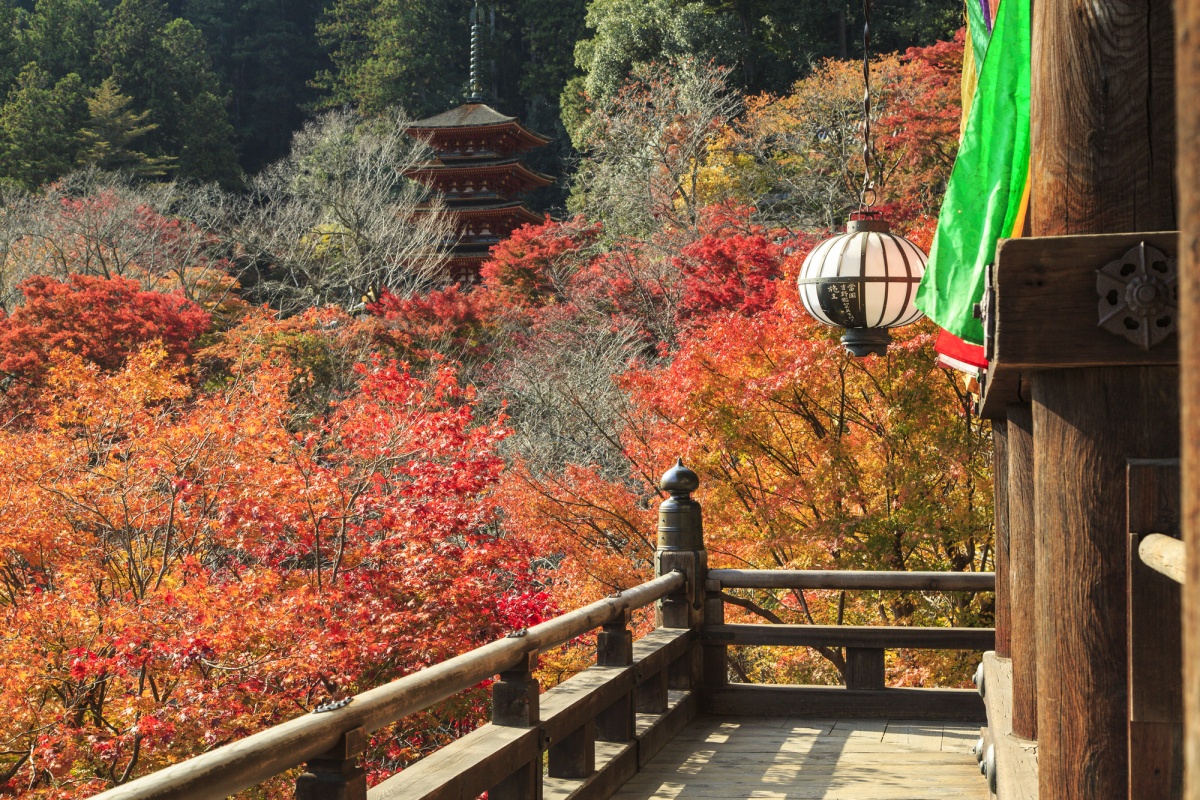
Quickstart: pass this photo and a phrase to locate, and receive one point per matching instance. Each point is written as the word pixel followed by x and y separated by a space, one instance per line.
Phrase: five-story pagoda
pixel 478 171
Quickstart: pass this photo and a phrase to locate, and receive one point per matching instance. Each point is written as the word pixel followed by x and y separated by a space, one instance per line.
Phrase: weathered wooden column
pixel 681 547
pixel 1023 578
pixel 1003 555
pixel 1187 52
pixel 1103 162
pixel 515 704
pixel 614 648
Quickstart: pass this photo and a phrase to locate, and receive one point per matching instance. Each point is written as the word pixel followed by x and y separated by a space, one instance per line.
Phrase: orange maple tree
pixel 188 556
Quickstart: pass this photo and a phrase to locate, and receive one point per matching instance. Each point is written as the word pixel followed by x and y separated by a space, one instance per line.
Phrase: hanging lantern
pixel 865 281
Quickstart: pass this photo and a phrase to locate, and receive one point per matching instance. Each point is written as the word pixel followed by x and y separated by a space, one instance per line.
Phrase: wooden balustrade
pixel 853 579
pixel 322 738
pixel 866 694
pixel 1164 554
pixel 585 737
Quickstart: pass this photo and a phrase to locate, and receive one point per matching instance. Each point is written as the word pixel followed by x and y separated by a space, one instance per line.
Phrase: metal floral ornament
pixel 864 280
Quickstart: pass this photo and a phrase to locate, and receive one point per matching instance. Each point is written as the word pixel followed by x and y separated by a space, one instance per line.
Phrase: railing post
pixel 681 547
pixel 865 668
pixel 716 657
pixel 515 704
pixel 335 775
pixel 614 648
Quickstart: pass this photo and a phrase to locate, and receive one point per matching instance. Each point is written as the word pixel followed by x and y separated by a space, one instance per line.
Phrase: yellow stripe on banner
pixel 1018 228
pixel 970 80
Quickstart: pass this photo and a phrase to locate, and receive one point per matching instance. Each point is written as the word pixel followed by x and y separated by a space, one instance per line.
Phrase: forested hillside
pixel 256 451
pixel 212 90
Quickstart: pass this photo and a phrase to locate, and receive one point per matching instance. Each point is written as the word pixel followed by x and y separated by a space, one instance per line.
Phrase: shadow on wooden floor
pixel 790 758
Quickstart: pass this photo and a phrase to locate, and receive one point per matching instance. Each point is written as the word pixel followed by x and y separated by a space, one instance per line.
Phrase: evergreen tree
pixel 163 64
pixel 106 140
pixel 61 35
pixel 266 54
pixel 411 53
pixel 38 125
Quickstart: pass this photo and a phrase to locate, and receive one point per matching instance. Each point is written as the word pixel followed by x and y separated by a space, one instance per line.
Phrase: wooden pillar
pixel 1187 21
pixel 1155 653
pixel 1002 542
pixel 614 648
pixel 1022 567
pixel 681 547
pixel 1102 162
pixel 865 668
pixel 1088 423
pixel 716 658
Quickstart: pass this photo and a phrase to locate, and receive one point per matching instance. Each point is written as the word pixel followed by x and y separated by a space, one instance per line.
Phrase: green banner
pixel 983 199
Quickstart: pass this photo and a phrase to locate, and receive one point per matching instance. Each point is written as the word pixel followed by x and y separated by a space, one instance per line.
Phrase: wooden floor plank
pixel 958 738
pixel 736 758
pixel 917 734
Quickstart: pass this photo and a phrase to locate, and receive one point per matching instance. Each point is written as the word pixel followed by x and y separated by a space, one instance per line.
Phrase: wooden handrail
pixel 864 580
pixel 1164 554
pixel 250 761
pixel 872 636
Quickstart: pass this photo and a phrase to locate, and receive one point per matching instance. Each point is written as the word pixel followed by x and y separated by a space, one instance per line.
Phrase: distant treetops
pixel 119 86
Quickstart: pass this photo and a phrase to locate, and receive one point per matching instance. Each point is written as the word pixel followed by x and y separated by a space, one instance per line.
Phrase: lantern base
pixel 866 341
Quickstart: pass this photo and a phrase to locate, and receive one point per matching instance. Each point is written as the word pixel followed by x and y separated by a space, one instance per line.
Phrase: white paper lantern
pixel 865 281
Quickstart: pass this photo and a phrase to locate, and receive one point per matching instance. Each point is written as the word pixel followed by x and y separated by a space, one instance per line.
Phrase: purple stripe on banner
pixel 987 14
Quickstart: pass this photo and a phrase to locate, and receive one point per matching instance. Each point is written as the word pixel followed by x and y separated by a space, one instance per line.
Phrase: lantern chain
pixel 868 187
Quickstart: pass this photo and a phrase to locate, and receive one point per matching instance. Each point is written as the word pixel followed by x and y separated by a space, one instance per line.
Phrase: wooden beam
pixel 853 579
pixel 1023 567
pixel 1046 303
pixel 889 637
pixel 1187 50
pixel 466 768
pixel 1155 648
pixel 1001 541
pixel 832 702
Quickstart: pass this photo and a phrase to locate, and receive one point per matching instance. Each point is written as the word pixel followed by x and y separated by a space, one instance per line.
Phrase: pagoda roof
pixel 476 116
pixel 514 165
pixel 468 115
pixel 493 210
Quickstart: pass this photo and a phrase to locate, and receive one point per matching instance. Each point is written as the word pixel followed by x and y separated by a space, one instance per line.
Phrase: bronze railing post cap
pixel 679 479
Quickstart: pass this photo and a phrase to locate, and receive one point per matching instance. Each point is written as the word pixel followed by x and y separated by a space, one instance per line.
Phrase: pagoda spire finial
pixel 475 87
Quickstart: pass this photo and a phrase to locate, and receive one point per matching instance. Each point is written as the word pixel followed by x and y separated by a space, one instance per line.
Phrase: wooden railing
pixel 865 693
pixel 503 757
pixel 597 728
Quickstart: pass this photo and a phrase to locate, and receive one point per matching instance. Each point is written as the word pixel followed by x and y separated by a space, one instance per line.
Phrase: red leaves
pixel 180 566
pixel 731 269
pixel 529 268
pixel 104 320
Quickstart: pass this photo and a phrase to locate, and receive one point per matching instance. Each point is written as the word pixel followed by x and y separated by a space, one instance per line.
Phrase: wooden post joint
pixel 614 643
pixel 335 774
pixel 515 695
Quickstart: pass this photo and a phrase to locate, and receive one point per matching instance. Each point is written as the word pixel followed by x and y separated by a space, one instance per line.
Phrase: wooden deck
pixel 810 759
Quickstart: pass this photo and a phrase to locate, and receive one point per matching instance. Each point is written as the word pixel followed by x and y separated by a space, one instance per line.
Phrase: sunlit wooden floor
pixel 809 759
